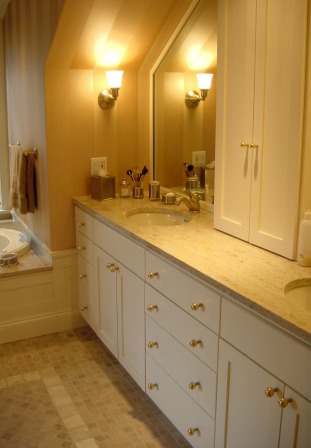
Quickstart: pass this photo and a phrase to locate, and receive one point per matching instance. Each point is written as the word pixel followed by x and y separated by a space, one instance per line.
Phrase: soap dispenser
pixel 304 245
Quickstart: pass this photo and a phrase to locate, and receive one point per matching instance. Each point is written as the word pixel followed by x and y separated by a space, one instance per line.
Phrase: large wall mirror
pixel 179 130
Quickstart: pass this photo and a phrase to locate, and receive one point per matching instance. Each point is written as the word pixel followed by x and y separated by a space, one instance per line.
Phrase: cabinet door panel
pixel 245 417
pixel 131 323
pixel 106 290
pixel 296 422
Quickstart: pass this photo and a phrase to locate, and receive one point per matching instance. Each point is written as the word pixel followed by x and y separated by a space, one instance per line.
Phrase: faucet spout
pixel 193 203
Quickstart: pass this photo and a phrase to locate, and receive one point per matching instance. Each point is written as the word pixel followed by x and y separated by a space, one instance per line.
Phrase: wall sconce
pixel 108 97
pixel 192 98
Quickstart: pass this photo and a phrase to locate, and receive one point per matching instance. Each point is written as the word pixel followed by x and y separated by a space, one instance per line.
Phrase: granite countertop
pixel 252 276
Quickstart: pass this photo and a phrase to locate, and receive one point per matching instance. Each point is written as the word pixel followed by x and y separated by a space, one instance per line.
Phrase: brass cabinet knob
pixel 82 276
pixel 194 342
pixel 253 146
pixel 283 402
pixel 81 248
pixel 151 386
pixel 152 344
pixel 195 306
pixel 269 391
pixel 193 385
pixel 108 265
pixel 244 145
pixel 153 274
pixel 80 224
pixel 152 307
pixel 113 268
pixel 84 307
pixel 191 431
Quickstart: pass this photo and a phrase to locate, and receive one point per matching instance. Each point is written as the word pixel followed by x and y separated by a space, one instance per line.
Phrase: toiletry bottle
pixel 102 172
pixel 304 245
pixel 125 190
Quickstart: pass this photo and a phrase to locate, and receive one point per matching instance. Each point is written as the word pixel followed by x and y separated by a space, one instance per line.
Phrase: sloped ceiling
pixel 116 34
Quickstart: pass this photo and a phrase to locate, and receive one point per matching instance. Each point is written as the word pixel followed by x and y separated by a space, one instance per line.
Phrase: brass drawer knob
pixel 152 307
pixel 82 276
pixel 152 386
pixel 108 265
pixel 193 385
pixel 283 402
pixel 81 248
pixel 80 224
pixel 113 268
pixel 191 431
pixel 269 391
pixel 153 274
pixel 153 344
pixel 195 306
pixel 194 342
pixel 84 307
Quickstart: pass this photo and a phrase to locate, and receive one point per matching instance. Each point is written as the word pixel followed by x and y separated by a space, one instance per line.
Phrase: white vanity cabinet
pixel 182 348
pixel 260 99
pixel 263 370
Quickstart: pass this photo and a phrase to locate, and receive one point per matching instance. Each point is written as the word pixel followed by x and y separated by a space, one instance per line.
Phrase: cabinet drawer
pixel 124 250
pixel 85 247
pixel 276 351
pixel 86 275
pixel 84 223
pixel 183 327
pixel 185 368
pixel 183 412
pixel 184 290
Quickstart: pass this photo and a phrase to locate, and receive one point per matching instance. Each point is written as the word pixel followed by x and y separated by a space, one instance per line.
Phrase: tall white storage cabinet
pixel 260 98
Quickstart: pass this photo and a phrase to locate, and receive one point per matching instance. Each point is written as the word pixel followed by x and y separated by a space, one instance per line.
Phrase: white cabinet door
pixel 131 323
pixel 261 66
pixel 106 292
pixel 245 417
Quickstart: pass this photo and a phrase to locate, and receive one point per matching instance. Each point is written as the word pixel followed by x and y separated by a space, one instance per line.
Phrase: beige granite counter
pixel 250 275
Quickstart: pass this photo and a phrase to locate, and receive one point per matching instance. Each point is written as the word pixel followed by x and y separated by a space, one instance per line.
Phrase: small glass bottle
pixel 125 191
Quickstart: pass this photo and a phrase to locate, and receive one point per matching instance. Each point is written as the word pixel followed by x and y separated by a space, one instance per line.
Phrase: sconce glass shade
pixel 108 97
pixel 192 97
pixel 204 80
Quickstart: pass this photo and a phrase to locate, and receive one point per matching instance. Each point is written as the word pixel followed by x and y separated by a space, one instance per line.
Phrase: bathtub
pixel 13 241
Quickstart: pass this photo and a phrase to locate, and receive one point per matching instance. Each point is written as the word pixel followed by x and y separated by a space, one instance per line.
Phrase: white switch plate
pixel 198 158
pixel 97 163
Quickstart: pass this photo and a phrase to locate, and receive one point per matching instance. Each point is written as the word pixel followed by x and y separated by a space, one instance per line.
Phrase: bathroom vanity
pixel 200 321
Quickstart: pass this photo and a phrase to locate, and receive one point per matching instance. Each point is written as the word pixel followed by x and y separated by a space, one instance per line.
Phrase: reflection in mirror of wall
pixel 179 130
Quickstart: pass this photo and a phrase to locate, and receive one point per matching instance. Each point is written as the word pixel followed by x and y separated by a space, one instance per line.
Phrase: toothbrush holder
pixel 138 190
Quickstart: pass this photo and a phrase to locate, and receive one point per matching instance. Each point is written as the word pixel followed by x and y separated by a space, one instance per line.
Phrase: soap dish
pixel 7 260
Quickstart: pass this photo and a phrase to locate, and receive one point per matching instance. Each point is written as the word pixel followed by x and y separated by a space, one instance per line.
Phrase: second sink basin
pixel 298 293
pixel 157 216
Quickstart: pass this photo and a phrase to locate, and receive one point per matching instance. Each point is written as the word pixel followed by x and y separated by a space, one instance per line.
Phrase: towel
pixel 15 160
pixel 27 183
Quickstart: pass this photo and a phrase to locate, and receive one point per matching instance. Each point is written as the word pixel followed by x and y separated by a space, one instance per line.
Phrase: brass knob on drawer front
pixel 152 307
pixel 108 265
pixel 194 342
pixel 81 248
pixel 82 276
pixel 244 145
pixel 152 344
pixel 193 385
pixel 269 391
pixel 283 402
pixel 80 224
pixel 84 307
pixel 152 386
pixel 113 268
pixel 153 274
pixel 195 306
pixel 191 431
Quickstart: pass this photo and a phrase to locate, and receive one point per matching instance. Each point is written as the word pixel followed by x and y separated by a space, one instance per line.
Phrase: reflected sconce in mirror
pixel 108 97
pixel 192 98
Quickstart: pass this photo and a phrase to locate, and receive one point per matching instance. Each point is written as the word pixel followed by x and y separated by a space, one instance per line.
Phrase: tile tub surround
pixel 66 390
pixel 252 276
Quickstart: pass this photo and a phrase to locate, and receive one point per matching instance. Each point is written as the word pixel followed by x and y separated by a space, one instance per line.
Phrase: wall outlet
pixel 97 163
pixel 198 158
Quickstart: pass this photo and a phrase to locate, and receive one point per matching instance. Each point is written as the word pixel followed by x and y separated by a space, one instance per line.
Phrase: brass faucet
pixel 193 203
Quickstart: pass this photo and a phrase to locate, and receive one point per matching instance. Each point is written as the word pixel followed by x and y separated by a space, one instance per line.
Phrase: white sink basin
pixel 157 217
pixel 298 293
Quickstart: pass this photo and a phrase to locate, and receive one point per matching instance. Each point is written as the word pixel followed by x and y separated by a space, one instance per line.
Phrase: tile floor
pixel 66 390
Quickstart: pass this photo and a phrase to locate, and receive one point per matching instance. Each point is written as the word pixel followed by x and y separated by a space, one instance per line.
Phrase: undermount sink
pixel 298 293
pixel 157 216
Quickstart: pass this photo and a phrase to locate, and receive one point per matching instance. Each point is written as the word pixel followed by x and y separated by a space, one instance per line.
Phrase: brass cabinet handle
pixel 108 265
pixel 152 344
pixel 84 307
pixel 191 431
pixel 114 268
pixel 244 145
pixel 269 391
pixel 283 402
pixel 195 306
pixel 80 224
pixel 193 385
pixel 253 146
pixel 152 307
pixel 82 276
pixel 194 342
pixel 153 274
pixel 152 386
pixel 81 248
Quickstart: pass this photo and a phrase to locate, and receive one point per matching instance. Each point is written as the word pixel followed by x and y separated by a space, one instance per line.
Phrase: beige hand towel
pixel 15 159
